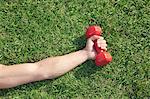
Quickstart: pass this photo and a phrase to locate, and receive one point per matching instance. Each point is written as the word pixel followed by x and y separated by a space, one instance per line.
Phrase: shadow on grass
pixel 80 42
pixel 88 68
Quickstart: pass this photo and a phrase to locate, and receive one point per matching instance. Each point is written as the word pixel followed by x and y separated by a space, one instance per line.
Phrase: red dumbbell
pixel 103 57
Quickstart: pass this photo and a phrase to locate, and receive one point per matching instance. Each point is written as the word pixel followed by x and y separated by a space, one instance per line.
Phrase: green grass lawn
pixel 32 30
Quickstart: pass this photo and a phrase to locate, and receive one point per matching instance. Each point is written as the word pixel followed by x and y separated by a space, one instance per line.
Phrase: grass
pixel 32 30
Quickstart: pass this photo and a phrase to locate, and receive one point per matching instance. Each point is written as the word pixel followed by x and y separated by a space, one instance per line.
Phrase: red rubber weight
pixel 93 30
pixel 103 57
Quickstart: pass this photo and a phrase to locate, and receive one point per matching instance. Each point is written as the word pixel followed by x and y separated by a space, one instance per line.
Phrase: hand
pixel 89 46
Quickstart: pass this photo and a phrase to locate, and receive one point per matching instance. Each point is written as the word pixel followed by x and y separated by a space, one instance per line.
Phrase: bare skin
pixel 53 67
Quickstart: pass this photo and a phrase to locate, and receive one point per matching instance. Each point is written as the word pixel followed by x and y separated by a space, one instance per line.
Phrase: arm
pixel 46 69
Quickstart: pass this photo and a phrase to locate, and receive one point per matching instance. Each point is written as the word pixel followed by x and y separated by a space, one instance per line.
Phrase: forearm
pixel 57 66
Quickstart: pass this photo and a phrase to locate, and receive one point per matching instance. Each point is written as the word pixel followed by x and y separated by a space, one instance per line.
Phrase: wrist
pixel 86 54
pixel 90 54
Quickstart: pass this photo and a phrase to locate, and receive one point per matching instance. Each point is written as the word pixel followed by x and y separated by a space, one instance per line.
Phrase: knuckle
pixel 101 38
pixel 104 41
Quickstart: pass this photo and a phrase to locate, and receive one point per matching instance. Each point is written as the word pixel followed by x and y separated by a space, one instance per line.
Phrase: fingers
pixel 102 43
